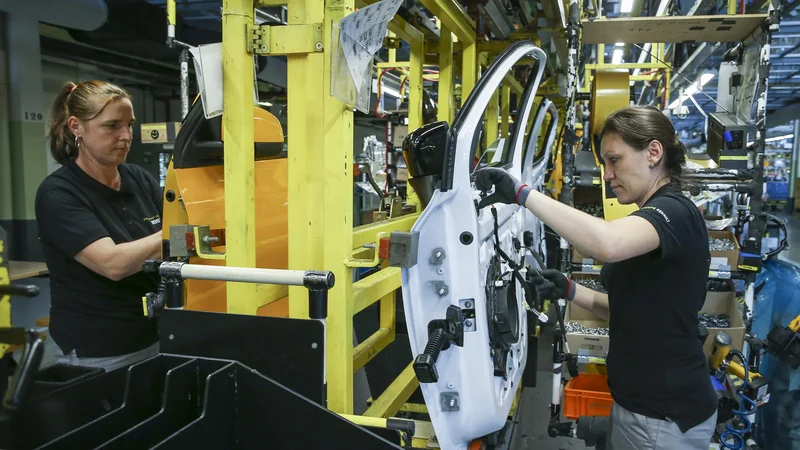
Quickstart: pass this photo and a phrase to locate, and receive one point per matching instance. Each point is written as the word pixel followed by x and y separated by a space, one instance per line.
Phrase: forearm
pixel 593 301
pixel 117 261
pixel 131 255
pixel 587 233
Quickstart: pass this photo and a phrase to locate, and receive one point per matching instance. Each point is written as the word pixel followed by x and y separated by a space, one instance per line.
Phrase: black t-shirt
pixel 89 313
pixel 656 365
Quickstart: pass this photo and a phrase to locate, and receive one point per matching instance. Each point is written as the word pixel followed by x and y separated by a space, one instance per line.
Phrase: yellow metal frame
pixel 320 192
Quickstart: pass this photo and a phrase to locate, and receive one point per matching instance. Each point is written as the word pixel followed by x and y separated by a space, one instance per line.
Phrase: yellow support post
pixel 337 207
pixel 240 208
pixel 492 111
pixel 732 6
pixel 415 83
pixel 505 110
pixel 454 18
pixel 306 128
pixel 396 395
pixel 469 69
pixel 446 105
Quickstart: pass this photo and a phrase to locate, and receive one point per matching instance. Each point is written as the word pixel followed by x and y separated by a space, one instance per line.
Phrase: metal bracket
pixel 203 240
pixel 450 401
pixel 376 259
pixel 284 39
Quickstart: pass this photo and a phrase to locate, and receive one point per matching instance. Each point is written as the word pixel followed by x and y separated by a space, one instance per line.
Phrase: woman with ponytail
pixel 99 219
pixel 655 272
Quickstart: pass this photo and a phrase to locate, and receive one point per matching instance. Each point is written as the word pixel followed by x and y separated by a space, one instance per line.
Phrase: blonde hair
pixel 83 100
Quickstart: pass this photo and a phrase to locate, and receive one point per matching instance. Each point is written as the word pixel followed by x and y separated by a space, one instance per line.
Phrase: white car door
pixel 464 291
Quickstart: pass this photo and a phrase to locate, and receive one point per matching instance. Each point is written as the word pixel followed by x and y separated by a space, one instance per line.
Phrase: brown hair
pixel 83 100
pixel 639 125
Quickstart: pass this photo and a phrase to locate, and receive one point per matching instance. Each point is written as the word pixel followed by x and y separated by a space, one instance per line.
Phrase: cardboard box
pixel 159 133
pixel 724 303
pixel 730 257
pixel 402 174
pixel 586 344
pixel 399 133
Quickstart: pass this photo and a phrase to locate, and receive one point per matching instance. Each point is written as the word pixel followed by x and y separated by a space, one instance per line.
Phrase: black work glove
pixel 507 189
pixel 554 285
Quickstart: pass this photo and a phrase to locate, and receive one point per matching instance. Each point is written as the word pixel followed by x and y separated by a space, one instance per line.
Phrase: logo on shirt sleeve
pixel 658 210
pixel 154 220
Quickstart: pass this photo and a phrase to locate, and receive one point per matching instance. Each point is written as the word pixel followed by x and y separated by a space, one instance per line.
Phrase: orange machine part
pixel 203 192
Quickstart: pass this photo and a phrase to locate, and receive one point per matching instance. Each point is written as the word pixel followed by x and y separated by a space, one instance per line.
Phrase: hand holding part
pixel 554 284
pixel 507 189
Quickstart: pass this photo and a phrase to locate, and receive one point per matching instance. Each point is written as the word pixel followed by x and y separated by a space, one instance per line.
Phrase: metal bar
pixel 505 110
pixel 306 126
pixel 629 66
pixel 732 6
pixel 240 208
pixel 365 234
pixel 492 111
pixel 469 69
pixel 337 208
pixel 446 84
pixel 420 408
pixel 368 290
pixel 241 274
pixel 269 293
pixel 454 18
pixel 415 84
pixel 291 39
pixel 405 31
pixel 267 3
pixel 393 398
pixel 373 345
pixel 513 84
pixel 388 314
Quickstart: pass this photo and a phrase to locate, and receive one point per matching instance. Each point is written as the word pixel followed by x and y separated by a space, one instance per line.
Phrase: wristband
pixel 522 194
pixel 572 287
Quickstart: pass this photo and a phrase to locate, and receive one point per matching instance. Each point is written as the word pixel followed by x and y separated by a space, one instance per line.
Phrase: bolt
pixel 318 46
pixel 452 402
pixel 450 385
pixel 468 323
pixel 314 345
pixel 438 254
pixel 318 28
pixel 468 304
pixel 440 270
pixel 441 291
pixel 171 337
pixel 264 48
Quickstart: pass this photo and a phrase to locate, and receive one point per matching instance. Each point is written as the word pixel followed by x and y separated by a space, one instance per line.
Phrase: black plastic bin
pixel 59 376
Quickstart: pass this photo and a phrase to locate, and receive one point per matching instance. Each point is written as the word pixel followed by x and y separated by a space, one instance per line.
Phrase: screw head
pixel 468 323
pixel 264 48
pixel 171 337
pixel 314 345
pixel 468 304
pixel 438 254
pixel 451 385
pixel 441 291
pixel 318 46
pixel 318 28
pixel 440 270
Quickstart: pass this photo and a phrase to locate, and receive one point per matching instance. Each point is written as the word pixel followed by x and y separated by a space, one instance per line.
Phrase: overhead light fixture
pixel 619 44
pixel 617 57
pixel 626 6
pixel 779 138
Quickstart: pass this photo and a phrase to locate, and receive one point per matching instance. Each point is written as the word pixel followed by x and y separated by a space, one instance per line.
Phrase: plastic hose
pixel 737 434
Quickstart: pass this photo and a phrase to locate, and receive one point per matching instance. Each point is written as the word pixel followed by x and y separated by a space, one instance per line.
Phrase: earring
pixel 77 142
pixel 652 165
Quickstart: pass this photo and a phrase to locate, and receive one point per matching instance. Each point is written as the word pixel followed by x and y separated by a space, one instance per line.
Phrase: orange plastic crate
pixel 587 395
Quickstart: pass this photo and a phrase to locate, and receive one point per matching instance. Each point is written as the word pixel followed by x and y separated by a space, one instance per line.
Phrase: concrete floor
pixel 530 432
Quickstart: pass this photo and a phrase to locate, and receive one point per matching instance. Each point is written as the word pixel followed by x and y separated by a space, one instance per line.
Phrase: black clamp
pixel 318 284
pixel 441 333
pixel 169 293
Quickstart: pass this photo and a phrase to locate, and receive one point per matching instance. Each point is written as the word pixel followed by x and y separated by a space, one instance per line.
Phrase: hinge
pixel 284 39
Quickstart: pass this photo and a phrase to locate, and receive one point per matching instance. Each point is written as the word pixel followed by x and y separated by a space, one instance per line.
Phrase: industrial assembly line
pixel 263 272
